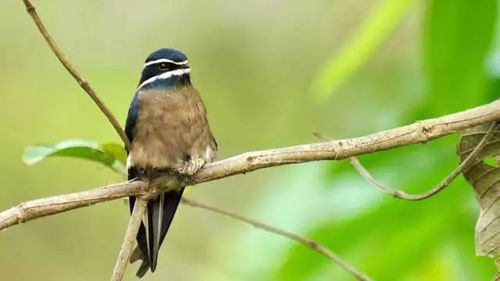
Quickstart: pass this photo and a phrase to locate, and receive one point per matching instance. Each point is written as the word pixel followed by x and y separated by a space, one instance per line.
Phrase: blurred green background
pixel 271 73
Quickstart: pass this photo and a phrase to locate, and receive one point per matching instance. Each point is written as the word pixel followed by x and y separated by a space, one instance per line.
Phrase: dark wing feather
pixel 160 212
pixel 133 111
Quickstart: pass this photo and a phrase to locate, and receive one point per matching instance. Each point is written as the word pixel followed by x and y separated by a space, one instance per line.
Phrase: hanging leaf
pixel 109 154
pixel 484 176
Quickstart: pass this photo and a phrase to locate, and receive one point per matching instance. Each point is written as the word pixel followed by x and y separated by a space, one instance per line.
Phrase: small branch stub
pixel 129 239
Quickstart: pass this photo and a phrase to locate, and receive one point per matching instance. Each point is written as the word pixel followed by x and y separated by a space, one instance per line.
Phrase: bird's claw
pixel 192 166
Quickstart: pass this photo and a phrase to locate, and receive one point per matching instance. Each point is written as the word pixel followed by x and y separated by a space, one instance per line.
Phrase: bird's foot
pixel 191 166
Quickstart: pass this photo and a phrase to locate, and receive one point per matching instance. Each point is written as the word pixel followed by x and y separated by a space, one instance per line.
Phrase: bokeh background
pixel 271 73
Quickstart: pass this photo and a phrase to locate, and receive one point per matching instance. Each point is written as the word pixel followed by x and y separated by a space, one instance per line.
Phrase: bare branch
pixel 129 239
pixel 315 246
pixel 418 132
pixel 69 67
pixel 442 185
pixel 38 208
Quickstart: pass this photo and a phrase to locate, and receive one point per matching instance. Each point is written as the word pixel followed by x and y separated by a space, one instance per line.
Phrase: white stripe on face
pixel 165 60
pixel 166 75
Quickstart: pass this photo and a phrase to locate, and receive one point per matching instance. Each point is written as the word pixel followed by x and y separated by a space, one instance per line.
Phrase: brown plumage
pixel 172 131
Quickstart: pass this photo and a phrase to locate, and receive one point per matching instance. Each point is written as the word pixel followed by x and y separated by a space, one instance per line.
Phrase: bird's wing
pixel 133 111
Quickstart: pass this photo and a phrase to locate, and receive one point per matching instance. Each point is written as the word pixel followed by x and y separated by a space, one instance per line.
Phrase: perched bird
pixel 169 133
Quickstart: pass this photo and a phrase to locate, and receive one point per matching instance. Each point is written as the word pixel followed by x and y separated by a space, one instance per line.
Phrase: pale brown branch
pixel 438 188
pixel 269 228
pixel 38 208
pixel 250 161
pixel 76 75
pixel 129 239
pixel 418 132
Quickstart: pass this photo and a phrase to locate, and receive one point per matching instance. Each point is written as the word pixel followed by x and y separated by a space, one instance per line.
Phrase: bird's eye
pixel 163 66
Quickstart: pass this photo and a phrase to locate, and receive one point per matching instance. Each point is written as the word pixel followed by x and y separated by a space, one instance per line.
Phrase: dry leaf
pixel 484 175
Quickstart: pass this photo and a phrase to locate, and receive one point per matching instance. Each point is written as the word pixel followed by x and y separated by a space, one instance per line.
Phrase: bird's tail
pixel 152 232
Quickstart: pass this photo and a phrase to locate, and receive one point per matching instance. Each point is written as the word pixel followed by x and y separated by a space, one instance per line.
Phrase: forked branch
pixel 435 190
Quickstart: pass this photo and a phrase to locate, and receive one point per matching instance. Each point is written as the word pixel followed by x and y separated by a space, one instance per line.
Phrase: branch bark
pixel 419 132
pixel 129 239
pixel 38 208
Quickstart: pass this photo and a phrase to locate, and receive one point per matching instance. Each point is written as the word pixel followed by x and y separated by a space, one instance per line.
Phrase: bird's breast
pixel 171 128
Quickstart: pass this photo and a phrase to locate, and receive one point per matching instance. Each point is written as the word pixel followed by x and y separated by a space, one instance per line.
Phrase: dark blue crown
pixel 156 65
pixel 167 53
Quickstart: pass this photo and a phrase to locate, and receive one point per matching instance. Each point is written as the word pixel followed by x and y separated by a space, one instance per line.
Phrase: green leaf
pixel 109 154
pixel 116 150
pixel 372 33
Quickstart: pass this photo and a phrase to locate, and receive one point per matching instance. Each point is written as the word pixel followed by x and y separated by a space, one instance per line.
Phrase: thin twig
pixel 301 239
pixel 250 161
pixel 442 185
pixel 129 239
pixel 76 75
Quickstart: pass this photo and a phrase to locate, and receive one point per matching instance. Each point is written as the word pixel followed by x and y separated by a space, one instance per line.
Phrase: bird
pixel 169 133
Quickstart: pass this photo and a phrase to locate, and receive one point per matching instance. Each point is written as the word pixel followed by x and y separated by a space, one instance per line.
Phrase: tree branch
pixel 38 208
pixel 129 239
pixel 418 132
pixel 438 188
pixel 301 239
pixel 69 67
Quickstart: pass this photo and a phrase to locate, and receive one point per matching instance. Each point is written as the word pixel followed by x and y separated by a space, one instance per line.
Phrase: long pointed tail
pixel 152 232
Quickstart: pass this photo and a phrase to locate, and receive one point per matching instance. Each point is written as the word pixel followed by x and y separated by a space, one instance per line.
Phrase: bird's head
pixel 167 68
